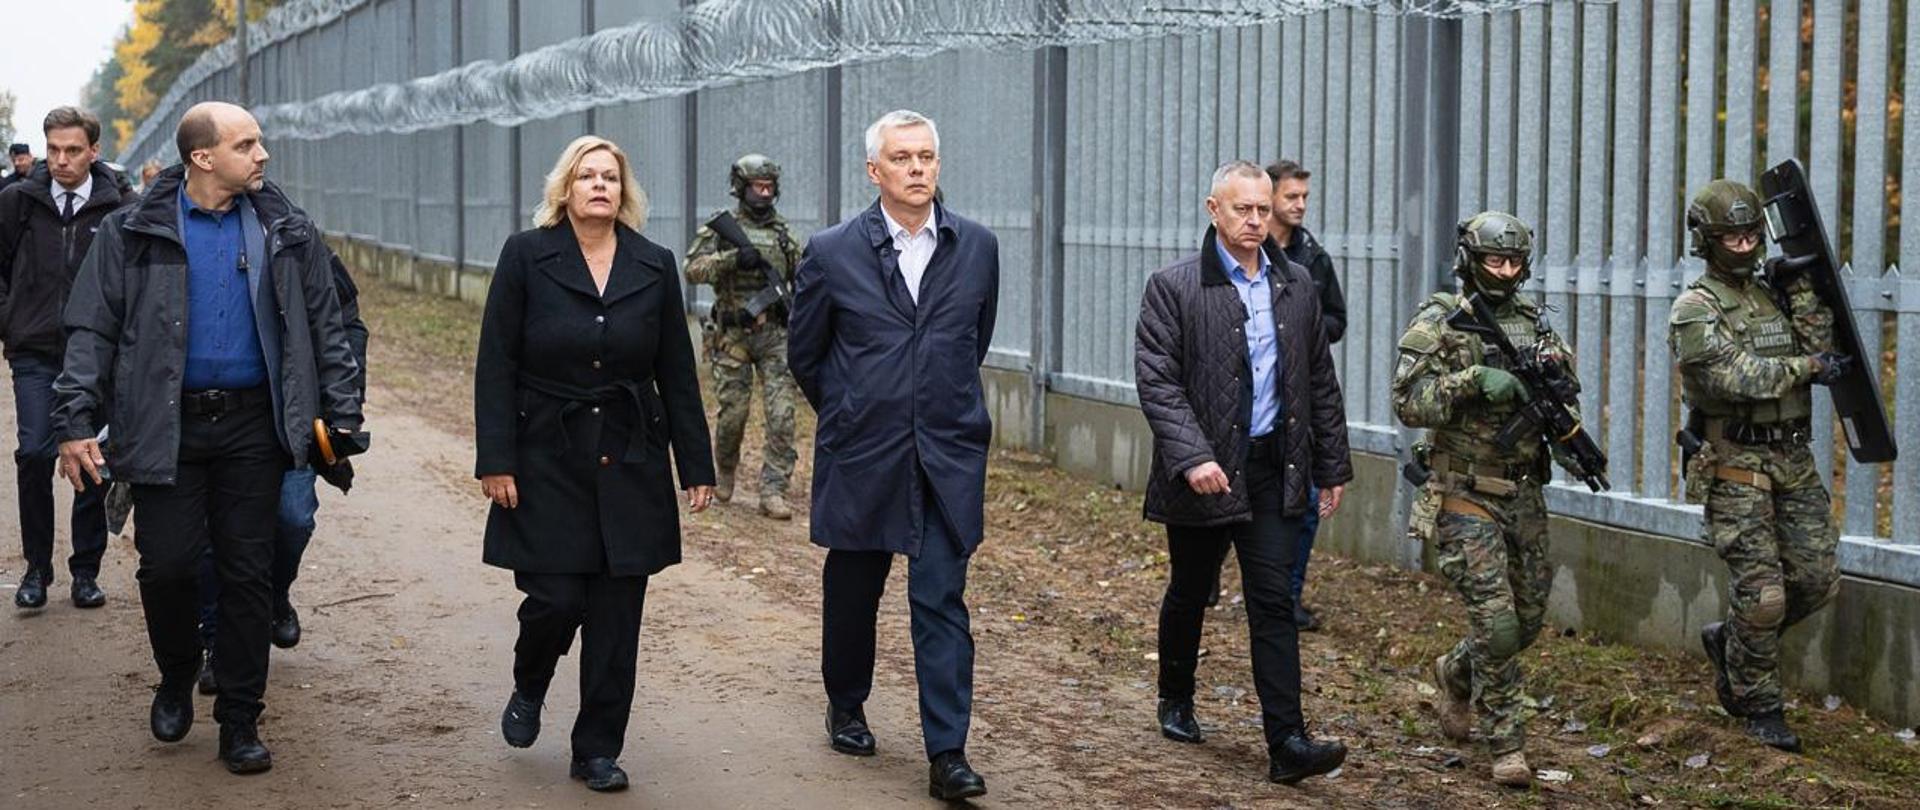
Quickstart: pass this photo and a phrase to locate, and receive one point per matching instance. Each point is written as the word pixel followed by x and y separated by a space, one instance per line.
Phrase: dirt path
pixel 393 696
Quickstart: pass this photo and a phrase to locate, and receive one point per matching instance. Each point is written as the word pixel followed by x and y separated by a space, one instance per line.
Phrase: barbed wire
pixel 720 42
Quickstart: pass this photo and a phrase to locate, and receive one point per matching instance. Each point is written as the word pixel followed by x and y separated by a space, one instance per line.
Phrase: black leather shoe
pixel 87 594
pixel 950 778
pixel 1714 638
pixel 847 732
pixel 33 590
pixel 520 721
pixel 207 683
pixel 241 749
pixel 1177 722
pixel 1771 728
pixel 172 714
pixel 600 773
pixel 286 627
pixel 1304 618
pixel 1299 757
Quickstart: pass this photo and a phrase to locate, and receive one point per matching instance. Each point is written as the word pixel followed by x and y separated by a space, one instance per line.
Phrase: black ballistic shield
pixel 1793 223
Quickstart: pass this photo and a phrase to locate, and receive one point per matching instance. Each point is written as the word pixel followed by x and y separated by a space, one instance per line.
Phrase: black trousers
pixel 33 405
pixel 605 610
pixel 1266 547
pixel 224 496
pixel 852 584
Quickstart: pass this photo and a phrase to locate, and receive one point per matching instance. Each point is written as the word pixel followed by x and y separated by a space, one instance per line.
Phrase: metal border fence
pixel 1085 142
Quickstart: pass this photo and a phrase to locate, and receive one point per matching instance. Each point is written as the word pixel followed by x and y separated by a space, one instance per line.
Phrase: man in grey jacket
pixel 1237 384
pixel 204 327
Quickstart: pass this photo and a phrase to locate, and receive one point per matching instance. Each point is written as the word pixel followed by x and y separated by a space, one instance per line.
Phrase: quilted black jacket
pixel 1191 370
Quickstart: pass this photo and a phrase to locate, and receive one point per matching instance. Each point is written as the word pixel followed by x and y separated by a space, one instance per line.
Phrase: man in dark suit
pixel 892 314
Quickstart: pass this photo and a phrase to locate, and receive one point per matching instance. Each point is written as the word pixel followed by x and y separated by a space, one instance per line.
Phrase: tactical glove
pixel 747 258
pixel 1498 386
pixel 1830 367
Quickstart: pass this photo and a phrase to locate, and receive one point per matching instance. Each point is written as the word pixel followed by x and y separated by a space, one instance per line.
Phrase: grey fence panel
pixel 395 183
pixel 435 152
pixel 1530 142
pixel 1500 56
pixel 1313 148
pixel 1358 383
pixel 1869 228
pixel 1627 278
pixel 487 173
pixel 1473 115
pixel 1906 399
pixel 1783 90
pixel 734 121
pixel 1334 189
pixel 358 159
pixel 1742 82
pixel 540 142
pixel 1293 103
pixel 1702 100
pixel 1823 166
pixel 1380 327
pixel 1662 273
pixel 1556 233
pixel 1589 334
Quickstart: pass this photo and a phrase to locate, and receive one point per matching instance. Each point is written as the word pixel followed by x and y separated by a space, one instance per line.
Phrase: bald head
pixel 221 141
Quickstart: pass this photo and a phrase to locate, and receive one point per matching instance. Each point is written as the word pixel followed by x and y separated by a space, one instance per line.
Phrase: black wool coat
pixel 580 395
pixel 1191 370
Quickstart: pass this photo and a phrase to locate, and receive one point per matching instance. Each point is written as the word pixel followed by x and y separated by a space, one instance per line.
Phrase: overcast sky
pixel 50 50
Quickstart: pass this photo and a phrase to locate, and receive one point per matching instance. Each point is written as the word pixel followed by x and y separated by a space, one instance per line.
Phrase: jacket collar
pixel 1213 271
pixel 39 186
pixel 875 222
pixel 559 256
pixel 157 213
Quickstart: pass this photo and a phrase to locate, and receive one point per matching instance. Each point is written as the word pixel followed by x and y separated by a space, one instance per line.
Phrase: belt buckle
pixel 216 404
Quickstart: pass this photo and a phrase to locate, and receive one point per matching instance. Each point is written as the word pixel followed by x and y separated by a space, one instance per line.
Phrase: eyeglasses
pixel 1739 240
pixel 1495 261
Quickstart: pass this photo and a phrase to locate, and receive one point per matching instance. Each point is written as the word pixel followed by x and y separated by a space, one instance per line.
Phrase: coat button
pixel 605 460
pixel 599 319
pixel 596 364
pixel 596 409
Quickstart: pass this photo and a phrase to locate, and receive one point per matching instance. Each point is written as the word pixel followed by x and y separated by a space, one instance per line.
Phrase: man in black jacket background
pixel 1237 385
pixel 47 222
pixel 204 326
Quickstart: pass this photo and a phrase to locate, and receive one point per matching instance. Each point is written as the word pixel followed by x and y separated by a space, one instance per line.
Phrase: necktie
pixel 66 211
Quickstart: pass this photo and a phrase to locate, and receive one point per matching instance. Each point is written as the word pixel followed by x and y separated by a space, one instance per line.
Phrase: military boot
pixel 1714 638
pixel 774 505
pixel 1456 711
pixel 1511 769
pixel 1771 728
pixel 723 486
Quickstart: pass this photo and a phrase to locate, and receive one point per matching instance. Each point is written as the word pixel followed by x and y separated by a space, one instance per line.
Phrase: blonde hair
pixel 553 202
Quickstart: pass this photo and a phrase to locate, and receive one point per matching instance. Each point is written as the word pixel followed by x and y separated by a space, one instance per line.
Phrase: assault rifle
pixel 1551 397
pixel 726 227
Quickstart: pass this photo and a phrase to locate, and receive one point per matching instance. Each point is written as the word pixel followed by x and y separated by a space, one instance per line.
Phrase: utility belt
pixel 214 403
pixel 1486 478
pixel 1791 431
pixel 739 319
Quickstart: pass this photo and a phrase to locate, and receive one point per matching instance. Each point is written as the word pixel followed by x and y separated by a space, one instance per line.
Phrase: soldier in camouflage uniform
pixel 1748 349
pixel 737 345
pixel 1488 522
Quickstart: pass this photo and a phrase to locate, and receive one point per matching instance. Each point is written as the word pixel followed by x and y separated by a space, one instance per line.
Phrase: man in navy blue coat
pixel 892 314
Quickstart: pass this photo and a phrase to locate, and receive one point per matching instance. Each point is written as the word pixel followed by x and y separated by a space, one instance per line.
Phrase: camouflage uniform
pixel 1747 365
pixel 1482 508
pixel 737 348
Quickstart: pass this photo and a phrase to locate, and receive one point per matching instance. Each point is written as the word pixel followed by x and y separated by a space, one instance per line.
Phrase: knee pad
pixel 1503 637
pixel 1770 608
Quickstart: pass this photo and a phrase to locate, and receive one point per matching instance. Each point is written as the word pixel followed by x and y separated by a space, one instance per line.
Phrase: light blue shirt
pixel 1263 350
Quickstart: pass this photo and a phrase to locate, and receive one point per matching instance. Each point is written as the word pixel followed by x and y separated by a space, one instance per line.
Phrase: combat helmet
pixel 740 179
pixel 1724 207
pixel 1493 233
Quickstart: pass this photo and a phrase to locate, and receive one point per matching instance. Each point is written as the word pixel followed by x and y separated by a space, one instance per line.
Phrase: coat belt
pixel 578 397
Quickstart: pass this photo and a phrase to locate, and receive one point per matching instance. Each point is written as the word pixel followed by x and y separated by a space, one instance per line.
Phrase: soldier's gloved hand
pixel 1829 367
pixel 1784 272
pixel 1499 386
pixel 748 256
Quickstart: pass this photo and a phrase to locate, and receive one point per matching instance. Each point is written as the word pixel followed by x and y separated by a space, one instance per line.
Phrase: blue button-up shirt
pixel 1263 350
pixel 223 345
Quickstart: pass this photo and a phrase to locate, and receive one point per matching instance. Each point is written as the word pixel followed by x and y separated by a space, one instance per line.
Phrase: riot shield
pixel 1793 223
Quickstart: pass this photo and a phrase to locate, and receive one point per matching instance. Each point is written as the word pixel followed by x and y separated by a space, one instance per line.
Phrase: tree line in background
pixel 162 40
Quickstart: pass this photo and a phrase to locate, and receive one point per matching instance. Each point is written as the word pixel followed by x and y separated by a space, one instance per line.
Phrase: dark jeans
pixel 38 451
pixel 292 530
pixel 606 612
pixel 853 582
pixel 225 493
pixel 1266 547
pixel 1309 526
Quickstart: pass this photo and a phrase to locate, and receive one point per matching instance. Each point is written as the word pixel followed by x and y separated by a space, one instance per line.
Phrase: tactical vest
pixel 1751 319
pixel 1469 437
pixel 774 242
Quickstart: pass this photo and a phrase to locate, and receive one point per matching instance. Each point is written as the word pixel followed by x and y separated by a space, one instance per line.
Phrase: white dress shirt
pixel 915 249
pixel 80 195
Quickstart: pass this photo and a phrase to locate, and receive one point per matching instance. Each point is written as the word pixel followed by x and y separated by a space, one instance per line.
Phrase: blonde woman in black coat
pixel 585 380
